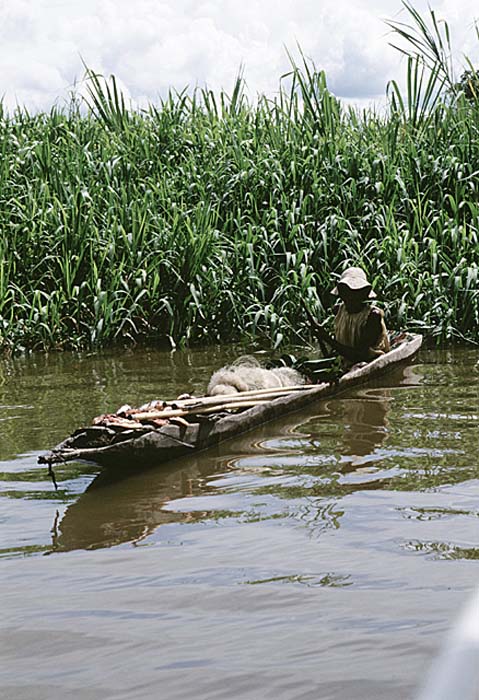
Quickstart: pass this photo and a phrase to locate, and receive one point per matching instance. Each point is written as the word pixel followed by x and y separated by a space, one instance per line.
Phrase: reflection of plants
pixel 421 479
pixel 442 550
pixel 37 495
pixel 428 514
pixel 319 515
pixel 63 472
pixel 26 550
pixel 309 580
pixel 244 516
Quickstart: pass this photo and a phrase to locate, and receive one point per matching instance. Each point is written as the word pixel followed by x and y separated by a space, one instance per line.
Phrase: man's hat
pixel 355 278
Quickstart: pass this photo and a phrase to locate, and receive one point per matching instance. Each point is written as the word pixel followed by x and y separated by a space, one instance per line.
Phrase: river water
pixel 323 556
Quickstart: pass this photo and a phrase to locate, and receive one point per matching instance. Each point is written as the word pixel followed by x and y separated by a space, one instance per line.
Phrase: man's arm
pixel 352 354
pixel 372 333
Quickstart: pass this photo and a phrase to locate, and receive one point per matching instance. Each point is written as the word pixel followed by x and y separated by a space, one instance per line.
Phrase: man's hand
pixel 322 333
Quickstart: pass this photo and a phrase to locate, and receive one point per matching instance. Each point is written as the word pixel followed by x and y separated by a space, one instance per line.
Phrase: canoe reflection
pixel 365 422
pixel 119 507
pixel 116 509
pixel 124 506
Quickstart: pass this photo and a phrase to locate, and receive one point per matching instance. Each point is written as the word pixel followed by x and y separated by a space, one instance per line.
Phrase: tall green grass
pixel 208 217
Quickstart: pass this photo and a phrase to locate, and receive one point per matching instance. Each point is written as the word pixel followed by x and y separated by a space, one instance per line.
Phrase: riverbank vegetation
pixel 209 217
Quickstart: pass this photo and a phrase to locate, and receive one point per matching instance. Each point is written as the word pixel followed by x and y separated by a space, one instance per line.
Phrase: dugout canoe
pixel 147 438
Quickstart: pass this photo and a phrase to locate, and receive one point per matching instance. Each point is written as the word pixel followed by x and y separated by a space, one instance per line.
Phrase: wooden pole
pixel 194 405
pixel 225 398
pixel 179 412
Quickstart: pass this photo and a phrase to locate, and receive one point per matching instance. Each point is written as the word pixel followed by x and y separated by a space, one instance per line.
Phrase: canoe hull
pixel 153 446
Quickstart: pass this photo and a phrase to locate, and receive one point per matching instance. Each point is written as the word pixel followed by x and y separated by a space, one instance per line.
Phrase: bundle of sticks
pixel 160 412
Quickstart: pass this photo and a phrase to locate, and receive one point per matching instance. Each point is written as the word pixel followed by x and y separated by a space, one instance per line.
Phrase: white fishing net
pixel 247 374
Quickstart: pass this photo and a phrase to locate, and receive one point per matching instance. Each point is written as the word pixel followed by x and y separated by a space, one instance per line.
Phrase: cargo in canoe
pixel 167 430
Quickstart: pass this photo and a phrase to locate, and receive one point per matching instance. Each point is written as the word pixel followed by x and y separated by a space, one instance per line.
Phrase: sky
pixel 154 45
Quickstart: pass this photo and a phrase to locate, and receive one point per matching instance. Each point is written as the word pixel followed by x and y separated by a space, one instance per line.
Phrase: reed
pixel 208 218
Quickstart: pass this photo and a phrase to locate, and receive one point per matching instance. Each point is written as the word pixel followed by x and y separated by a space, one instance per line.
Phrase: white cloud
pixel 152 45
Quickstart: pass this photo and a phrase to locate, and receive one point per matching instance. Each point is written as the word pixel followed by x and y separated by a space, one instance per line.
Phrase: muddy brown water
pixel 321 556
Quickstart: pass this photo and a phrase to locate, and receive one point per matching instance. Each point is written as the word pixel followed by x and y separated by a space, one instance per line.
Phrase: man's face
pixel 353 298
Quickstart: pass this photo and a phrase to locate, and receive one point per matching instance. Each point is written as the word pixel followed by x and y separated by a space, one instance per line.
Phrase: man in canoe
pixel 360 334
